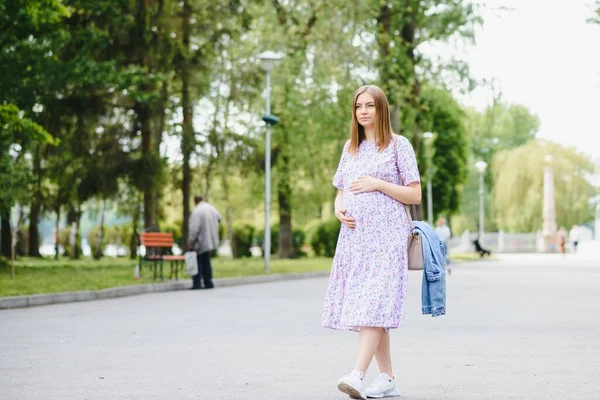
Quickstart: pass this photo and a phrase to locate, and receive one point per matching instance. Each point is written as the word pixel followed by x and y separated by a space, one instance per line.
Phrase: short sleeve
pixel 407 162
pixel 338 179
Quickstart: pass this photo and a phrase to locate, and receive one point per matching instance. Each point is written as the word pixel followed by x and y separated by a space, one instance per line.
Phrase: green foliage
pixel 110 80
pixel 64 240
pixel 443 116
pixel 92 237
pixel 500 127
pixel 518 192
pixel 260 238
pixel 324 240
pixel 243 236
pixel 403 27
pixel 18 135
pixel 298 240
pixel 175 228
pixel 118 235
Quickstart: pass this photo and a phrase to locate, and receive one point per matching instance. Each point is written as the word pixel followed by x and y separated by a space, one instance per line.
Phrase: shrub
pixel 243 236
pixel 93 243
pixel 298 238
pixel 64 236
pixel 176 229
pixel 324 240
pixel 260 239
pixel 222 231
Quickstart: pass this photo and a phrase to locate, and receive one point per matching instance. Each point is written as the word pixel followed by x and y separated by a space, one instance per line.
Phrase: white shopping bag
pixel 191 263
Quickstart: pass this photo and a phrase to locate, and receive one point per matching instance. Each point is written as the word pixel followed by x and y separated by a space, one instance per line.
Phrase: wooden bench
pixel 158 245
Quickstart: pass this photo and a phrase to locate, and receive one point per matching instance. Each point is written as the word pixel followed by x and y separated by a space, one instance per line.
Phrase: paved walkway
pixel 523 328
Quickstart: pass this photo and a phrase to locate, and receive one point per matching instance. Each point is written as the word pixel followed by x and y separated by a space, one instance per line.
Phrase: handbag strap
pixel 414 209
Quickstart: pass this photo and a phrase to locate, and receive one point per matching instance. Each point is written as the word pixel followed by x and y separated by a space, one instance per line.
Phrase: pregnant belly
pixel 372 205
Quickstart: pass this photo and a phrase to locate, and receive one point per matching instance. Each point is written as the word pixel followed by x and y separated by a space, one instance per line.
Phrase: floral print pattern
pixel 368 281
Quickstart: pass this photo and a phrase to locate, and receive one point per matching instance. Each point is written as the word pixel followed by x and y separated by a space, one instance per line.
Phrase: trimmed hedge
pixel 243 236
pixel 298 238
pixel 325 238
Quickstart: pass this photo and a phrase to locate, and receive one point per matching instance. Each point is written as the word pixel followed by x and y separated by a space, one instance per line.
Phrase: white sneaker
pixel 383 386
pixel 353 384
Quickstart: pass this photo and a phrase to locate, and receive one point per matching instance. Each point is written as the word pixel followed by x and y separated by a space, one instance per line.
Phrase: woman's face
pixel 365 110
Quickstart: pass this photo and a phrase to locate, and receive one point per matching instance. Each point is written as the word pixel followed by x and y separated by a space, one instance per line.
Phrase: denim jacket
pixel 433 290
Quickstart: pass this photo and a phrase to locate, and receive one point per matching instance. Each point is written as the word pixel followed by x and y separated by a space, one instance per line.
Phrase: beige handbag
pixel 415 242
pixel 415 245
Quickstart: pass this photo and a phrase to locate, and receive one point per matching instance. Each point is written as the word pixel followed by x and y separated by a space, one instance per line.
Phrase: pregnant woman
pixel 376 177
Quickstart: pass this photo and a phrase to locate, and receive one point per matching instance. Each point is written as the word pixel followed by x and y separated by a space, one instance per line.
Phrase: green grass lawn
pixel 34 276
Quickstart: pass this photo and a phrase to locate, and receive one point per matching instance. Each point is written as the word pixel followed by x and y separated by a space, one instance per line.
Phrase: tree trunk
pixel 133 242
pixel 143 109
pixel 284 197
pixel 99 236
pixel 56 239
pixel 298 36
pixel 143 124
pixel 15 239
pixel 36 205
pixel 157 140
pixel 34 235
pixel 6 236
pixel 73 219
pixel 187 140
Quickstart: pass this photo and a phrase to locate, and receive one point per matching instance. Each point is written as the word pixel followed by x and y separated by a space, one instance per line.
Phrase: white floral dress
pixel 368 281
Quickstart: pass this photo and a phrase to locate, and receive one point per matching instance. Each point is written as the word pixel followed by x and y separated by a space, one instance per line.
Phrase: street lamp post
pixel 428 136
pixel 268 59
pixel 481 166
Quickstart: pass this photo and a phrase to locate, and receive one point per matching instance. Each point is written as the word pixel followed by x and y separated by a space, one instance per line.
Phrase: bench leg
pixel 154 267
pixel 161 270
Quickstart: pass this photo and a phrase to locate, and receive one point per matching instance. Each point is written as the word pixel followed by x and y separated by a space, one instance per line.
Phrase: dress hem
pixel 356 328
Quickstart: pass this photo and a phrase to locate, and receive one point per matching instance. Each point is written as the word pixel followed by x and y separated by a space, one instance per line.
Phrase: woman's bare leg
pixel 383 354
pixel 368 341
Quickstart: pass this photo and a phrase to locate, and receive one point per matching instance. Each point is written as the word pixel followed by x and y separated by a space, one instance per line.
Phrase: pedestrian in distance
pixel 376 177
pixel 203 238
pixel 444 233
pixel 574 236
pixel 562 240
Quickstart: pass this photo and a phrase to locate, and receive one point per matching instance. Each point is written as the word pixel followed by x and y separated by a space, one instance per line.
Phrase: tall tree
pixel 18 137
pixel 402 28
pixel 443 116
pixel 500 127
pixel 205 26
pixel 519 176
pixel 27 69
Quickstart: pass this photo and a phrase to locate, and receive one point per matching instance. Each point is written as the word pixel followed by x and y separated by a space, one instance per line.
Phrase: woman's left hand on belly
pixel 364 184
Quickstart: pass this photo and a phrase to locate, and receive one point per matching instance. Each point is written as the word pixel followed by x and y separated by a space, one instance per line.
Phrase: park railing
pixel 497 242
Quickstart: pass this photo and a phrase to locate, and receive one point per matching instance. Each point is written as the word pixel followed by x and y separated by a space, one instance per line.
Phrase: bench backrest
pixel 156 239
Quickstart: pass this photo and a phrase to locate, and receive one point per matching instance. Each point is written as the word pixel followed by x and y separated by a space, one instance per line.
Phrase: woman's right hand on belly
pixel 350 222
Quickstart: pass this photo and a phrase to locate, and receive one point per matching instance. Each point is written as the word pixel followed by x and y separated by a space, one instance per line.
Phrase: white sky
pixel 544 55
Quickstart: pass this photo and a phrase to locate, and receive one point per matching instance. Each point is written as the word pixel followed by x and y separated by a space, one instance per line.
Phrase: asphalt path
pixel 525 327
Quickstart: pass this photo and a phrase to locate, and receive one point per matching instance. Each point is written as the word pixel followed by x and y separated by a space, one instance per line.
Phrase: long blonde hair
pixel 383 125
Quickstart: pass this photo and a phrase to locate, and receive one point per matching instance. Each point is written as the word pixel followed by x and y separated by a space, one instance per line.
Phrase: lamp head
pixel 481 166
pixel 268 59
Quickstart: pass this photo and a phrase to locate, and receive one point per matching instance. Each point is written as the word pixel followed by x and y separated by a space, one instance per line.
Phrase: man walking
pixel 203 238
